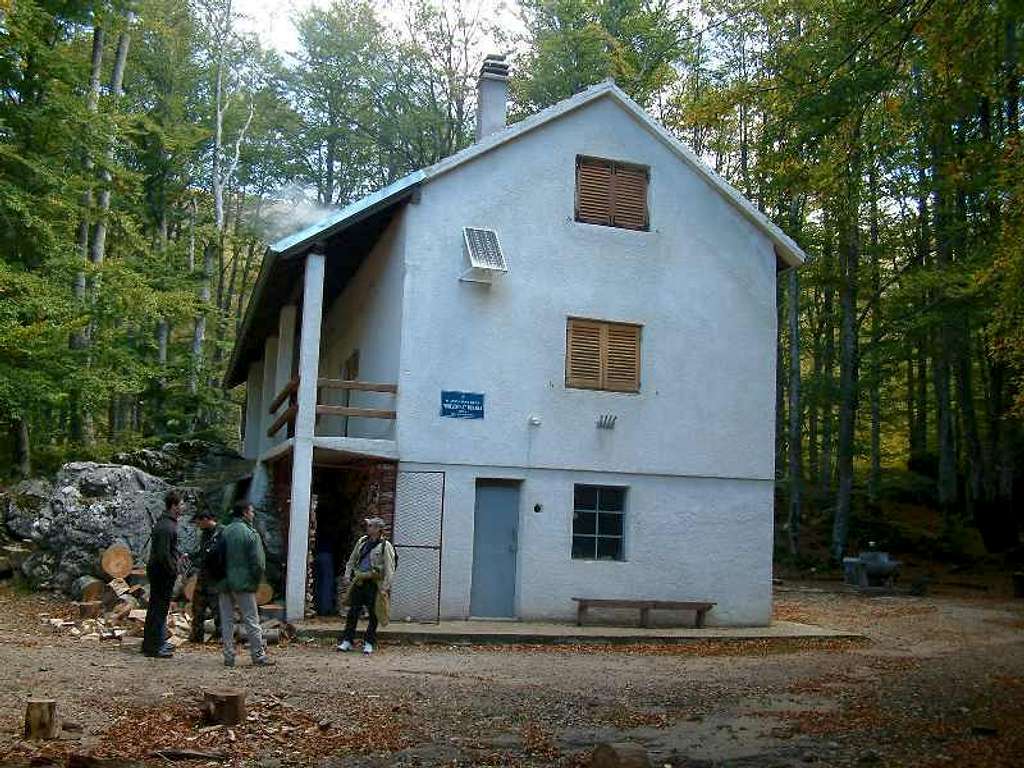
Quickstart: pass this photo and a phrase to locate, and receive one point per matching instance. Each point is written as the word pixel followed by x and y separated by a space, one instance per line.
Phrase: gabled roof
pixel 788 250
pixel 385 201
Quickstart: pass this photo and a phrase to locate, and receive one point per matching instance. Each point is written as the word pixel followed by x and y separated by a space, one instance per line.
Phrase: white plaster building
pixel 596 421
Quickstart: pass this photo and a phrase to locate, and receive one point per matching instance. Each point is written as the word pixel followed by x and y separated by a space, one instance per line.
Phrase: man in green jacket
pixel 245 563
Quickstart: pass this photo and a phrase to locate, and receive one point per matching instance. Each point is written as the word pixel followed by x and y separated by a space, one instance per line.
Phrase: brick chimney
pixel 491 96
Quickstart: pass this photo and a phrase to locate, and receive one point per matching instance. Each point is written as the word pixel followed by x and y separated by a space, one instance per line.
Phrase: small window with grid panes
pixel 598 522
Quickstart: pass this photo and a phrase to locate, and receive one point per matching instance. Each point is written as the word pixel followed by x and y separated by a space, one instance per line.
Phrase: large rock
pixel 90 506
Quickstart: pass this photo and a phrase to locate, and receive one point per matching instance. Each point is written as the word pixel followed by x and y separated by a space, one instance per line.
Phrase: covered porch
pixel 303 410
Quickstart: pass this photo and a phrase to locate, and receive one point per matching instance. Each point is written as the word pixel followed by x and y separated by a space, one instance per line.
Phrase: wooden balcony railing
pixel 290 394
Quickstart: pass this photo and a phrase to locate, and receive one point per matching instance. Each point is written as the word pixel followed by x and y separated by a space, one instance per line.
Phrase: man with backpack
pixel 204 596
pixel 369 573
pixel 240 558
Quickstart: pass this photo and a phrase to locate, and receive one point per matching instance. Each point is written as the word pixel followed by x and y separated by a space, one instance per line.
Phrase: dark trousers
pixel 363 595
pixel 204 601
pixel 155 633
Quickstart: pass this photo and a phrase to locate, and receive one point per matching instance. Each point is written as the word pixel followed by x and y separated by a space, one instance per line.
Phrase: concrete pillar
pixel 269 368
pixel 253 411
pixel 302 452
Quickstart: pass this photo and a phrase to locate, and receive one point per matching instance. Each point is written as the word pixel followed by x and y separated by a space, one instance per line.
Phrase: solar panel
pixel 484 250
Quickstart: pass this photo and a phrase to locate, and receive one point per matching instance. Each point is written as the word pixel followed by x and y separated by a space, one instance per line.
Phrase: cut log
pixel 91 609
pixel 264 594
pixel 124 606
pixel 225 706
pixel 117 561
pixel 190 587
pixel 137 615
pixel 41 721
pixel 622 754
pixel 270 636
pixel 87 589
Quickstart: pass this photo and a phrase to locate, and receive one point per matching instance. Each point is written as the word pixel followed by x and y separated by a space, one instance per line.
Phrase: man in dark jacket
pixel 245 563
pixel 204 596
pixel 162 570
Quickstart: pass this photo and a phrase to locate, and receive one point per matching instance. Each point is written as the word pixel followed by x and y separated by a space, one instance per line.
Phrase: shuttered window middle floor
pixel 602 355
pixel 611 193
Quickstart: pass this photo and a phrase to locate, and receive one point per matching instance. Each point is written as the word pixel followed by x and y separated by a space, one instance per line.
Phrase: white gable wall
pixel 695 446
pixel 702 283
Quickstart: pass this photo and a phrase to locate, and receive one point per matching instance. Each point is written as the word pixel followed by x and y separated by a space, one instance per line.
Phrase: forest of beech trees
pixel 149 149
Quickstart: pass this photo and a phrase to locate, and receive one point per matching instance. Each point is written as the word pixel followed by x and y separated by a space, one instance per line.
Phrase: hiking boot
pixel 367 649
pixel 264 661
pixel 344 646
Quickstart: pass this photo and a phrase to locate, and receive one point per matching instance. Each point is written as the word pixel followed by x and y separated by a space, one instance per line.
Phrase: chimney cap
pixel 494 65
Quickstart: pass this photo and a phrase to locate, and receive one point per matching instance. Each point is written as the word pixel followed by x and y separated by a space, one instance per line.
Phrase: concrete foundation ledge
pixel 536 633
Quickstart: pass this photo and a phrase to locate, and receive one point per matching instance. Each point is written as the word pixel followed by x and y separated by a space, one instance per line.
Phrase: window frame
pixel 603 354
pixel 597 536
pixel 614 166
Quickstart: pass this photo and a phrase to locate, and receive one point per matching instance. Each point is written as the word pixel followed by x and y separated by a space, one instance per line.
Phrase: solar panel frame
pixel 484 250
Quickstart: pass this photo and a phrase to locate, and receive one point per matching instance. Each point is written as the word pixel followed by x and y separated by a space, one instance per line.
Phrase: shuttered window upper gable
pixel 611 193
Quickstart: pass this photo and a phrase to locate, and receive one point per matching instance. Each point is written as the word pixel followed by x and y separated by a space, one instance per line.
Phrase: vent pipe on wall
pixel 491 96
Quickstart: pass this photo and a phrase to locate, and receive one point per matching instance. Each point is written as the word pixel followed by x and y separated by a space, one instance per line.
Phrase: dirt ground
pixel 937 681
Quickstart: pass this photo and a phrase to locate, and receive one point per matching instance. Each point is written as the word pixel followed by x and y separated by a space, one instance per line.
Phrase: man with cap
pixel 368 572
pixel 204 596
pixel 245 563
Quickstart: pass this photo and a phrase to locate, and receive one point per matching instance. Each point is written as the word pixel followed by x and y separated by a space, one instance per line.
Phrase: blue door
pixel 495 541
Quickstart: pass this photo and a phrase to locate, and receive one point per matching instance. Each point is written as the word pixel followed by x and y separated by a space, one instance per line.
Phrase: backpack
pixel 216 561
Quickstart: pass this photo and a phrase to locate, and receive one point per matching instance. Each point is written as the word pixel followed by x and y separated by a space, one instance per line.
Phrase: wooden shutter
pixel 583 350
pixel 629 197
pixel 602 355
pixel 622 357
pixel 593 191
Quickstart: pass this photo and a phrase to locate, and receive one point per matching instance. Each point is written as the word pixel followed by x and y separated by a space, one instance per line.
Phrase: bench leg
pixel 581 611
pixel 645 617
pixel 699 623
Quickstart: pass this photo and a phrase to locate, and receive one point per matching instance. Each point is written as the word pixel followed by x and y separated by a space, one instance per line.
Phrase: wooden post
pixel 623 754
pixel 225 706
pixel 41 721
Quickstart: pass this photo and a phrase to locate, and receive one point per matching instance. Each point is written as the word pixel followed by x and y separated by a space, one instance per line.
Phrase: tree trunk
pixel 875 475
pixel 848 364
pixel 99 240
pixel 41 721
pixel 947 480
pixel 795 443
pixel 22 447
pixel 828 362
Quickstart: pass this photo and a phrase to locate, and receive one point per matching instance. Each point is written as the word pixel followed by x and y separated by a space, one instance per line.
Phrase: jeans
pixel 363 594
pixel 246 602
pixel 155 632
pixel 204 600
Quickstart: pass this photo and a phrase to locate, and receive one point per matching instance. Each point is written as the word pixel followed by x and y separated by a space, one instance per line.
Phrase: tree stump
pixel 264 594
pixel 622 754
pixel 41 721
pixel 225 706
pixel 117 561
pixel 87 589
pixel 92 609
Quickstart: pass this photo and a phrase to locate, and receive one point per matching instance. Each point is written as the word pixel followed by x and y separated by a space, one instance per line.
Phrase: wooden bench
pixel 644 606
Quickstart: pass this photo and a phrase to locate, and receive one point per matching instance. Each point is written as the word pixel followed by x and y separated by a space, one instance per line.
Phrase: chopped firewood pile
pixel 116 609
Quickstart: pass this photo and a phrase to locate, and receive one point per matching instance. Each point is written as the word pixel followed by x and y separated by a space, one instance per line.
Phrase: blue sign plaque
pixel 462 405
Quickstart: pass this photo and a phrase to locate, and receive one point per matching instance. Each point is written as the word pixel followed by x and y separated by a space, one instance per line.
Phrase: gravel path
pixel 939 681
